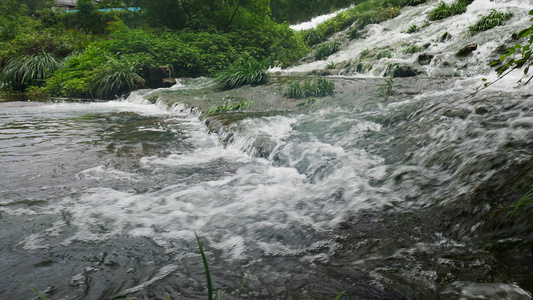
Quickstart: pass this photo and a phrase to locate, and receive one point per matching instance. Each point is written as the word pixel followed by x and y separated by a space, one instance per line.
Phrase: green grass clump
pixel 364 54
pixel 383 54
pixel 241 73
pixel 21 71
pixel 312 37
pixel 415 28
pixel 241 104
pixel 316 87
pixel 444 10
pixel 493 19
pixel 377 16
pixel 117 77
pixel 325 50
pixel 412 49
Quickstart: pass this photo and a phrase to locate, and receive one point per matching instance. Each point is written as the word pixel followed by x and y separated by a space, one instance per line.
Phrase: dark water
pixel 385 199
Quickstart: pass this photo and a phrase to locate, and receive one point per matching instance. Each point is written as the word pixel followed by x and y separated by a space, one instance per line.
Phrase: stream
pixel 400 197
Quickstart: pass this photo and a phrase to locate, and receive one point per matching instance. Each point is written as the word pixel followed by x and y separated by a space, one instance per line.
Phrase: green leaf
pixel 206 267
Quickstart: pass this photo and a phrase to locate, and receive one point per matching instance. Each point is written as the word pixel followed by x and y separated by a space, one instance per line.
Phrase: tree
pixel 13 17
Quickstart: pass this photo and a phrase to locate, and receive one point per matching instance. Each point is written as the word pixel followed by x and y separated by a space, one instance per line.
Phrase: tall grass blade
pixel 206 267
pixel 36 292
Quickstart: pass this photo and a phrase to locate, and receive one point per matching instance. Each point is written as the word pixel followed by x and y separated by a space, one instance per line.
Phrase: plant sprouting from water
pixel 325 50
pixel 493 19
pixel 316 87
pixel 220 293
pixel 243 72
pixel 447 10
pixel 412 49
pixel 385 90
pixel 241 104
pixel 383 54
pixel 364 54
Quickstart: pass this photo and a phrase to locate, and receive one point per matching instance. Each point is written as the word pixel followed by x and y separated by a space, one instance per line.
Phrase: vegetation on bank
pixel 106 54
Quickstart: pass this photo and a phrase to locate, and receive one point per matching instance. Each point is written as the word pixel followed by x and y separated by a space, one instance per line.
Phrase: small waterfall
pixel 392 36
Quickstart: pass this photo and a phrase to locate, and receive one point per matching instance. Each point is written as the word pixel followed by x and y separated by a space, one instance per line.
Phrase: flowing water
pixel 387 199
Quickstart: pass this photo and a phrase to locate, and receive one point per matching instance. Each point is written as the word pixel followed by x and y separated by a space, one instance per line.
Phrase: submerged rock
pixel 466 50
pixel 403 71
pixel 425 58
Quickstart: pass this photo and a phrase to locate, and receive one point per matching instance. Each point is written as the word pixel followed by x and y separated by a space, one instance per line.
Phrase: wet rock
pixel 502 49
pixel 425 58
pixel 445 37
pixel 158 77
pixel 403 71
pixel 466 50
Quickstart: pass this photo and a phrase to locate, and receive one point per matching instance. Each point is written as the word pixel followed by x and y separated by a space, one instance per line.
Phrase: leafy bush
pixel 317 87
pixel 116 78
pixel 21 71
pixel 493 19
pixel 325 50
pixel 243 72
pixel 73 80
pixel 444 10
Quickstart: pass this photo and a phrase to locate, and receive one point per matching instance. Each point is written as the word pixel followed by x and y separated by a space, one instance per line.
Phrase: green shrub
pixel 325 50
pixel 444 10
pixel 493 19
pixel 21 71
pixel 242 72
pixel 73 80
pixel 316 87
pixel 116 78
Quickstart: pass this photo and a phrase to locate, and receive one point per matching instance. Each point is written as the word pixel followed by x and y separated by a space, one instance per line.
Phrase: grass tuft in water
pixel 241 104
pixel 447 10
pixel 316 87
pixel 412 49
pixel 383 54
pixel 385 90
pixel 493 19
pixel 243 72
pixel 325 50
